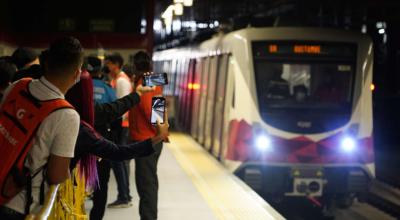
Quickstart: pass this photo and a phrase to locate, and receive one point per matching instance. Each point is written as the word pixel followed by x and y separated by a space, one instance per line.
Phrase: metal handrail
pixel 48 205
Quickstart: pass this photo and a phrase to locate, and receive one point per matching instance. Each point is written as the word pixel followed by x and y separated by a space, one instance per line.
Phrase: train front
pixel 312 133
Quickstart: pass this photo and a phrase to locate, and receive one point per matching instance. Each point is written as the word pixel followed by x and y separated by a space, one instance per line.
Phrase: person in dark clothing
pixel 141 129
pixel 34 72
pixel 105 105
pixel 106 113
pixel 7 70
pixel 24 58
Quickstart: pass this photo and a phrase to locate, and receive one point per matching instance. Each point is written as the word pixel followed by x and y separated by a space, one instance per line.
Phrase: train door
pixel 212 81
pixel 178 89
pixel 196 96
pixel 203 99
pixel 219 105
pixel 189 94
pixel 229 107
pixel 171 98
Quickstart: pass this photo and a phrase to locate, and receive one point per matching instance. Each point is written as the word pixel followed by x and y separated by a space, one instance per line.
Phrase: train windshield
pixel 304 83
pixel 284 85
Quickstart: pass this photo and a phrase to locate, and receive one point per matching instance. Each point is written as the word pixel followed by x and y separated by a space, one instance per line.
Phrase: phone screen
pixel 155 80
pixel 158 110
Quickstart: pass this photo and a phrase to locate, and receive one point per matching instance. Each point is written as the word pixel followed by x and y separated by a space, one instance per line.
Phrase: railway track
pixel 385 197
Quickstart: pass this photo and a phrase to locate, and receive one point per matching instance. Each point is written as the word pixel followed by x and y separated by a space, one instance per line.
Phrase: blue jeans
pixel 121 172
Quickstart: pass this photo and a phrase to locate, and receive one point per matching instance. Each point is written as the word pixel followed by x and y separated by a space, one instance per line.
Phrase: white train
pixel 289 110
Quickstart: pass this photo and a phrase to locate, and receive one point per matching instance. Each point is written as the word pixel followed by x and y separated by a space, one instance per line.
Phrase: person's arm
pixel 62 149
pixel 95 144
pixel 108 112
pixel 57 169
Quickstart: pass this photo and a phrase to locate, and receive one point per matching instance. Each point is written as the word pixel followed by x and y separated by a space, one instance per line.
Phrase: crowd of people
pixel 70 109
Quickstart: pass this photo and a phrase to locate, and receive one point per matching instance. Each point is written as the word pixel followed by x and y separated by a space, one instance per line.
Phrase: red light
pixel 372 87
pixel 273 48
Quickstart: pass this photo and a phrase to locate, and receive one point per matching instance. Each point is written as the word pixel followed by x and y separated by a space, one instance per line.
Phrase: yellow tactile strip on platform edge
pixel 227 196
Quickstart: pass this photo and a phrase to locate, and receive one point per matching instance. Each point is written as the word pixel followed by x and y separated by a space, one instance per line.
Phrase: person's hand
pixel 162 131
pixel 140 89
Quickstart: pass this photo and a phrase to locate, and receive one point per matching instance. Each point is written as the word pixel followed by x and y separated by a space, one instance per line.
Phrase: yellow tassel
pixel 70 204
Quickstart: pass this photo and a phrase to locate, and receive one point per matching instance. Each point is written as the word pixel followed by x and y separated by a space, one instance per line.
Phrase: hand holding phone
pixel 158 110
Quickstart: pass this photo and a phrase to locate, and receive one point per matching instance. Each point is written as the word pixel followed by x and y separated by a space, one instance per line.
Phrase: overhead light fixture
pixel 178 9
pixel 168 21
pixel 187 3
pixel 169 12
pixel 178 1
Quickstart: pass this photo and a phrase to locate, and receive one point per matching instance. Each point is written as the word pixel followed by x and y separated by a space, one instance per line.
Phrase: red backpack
pixel 20 117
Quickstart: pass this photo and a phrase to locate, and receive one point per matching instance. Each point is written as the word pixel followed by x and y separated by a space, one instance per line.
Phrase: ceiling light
pixel 178 9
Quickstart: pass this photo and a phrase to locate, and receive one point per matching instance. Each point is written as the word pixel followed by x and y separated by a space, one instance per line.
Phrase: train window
pixel 295 84
pixel 287 85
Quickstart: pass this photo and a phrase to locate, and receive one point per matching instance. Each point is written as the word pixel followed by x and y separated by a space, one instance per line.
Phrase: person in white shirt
pixel 54 142
pixel 122 86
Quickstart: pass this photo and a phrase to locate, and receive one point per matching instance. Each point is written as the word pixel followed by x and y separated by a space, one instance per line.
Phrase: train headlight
pixel 263 142
pixel 348 144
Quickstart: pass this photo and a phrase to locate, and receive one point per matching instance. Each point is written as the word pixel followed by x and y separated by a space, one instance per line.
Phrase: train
pixel 286 109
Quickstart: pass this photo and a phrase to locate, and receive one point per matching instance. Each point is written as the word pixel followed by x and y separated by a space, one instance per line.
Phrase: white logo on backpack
pixel 20 113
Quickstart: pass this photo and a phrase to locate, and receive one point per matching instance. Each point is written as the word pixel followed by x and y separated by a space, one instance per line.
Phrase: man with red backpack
pixel 38 131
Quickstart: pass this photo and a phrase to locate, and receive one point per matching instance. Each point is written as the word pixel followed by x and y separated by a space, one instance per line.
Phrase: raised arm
pixel 109 112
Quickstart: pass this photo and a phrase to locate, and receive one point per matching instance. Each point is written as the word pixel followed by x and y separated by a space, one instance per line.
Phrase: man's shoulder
pixel 64 116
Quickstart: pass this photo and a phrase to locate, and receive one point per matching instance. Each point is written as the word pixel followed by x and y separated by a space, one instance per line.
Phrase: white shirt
pixel 56 135
pixel 123 86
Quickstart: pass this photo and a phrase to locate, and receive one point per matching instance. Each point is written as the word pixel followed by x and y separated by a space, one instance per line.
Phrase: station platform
pixel 195 186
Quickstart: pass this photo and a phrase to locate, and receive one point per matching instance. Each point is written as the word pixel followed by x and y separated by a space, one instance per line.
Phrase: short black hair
pixel 93 64
pixel 7 71
pixel 64 56
pixel 115 58
pixel 23 56
pixel 8 59
pixel 129 69
pixel 142 61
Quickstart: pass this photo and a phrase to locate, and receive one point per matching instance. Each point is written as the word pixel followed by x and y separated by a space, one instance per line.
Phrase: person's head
pixel 94 66
pixel 129 69
pixel 114 63
pixel 7 71
pixel 64 61
pixel 24 57
pixel 142 62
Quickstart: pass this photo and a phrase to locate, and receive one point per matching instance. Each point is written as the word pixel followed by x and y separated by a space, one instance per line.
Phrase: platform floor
pixel 194 186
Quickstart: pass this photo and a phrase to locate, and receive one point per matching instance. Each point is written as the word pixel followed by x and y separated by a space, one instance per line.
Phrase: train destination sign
pixel 282 48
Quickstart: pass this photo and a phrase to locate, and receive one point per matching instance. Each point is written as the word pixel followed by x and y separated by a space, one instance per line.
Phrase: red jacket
pixel 140 126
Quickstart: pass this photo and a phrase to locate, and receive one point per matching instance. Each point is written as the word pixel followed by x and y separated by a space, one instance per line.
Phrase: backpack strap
pixel 29 197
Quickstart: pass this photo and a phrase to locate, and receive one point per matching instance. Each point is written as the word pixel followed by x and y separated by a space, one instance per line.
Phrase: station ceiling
pixel 207 10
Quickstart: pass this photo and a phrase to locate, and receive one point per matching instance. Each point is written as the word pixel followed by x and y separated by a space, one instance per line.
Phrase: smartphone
pixel 158 110
pixel 158 79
